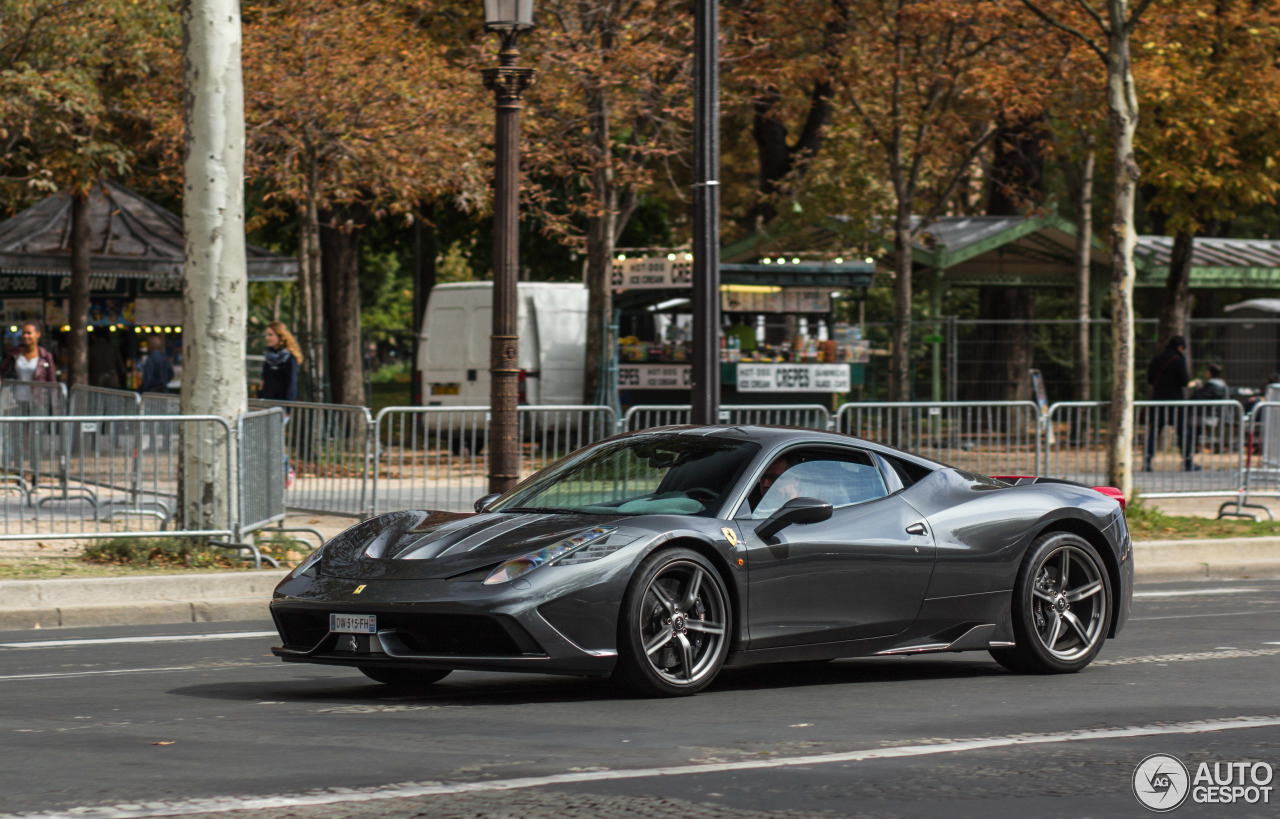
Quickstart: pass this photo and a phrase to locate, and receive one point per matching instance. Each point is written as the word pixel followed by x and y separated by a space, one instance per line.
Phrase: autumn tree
pixel 921 84
pixel 610 106
pixel 1209 144
pixel 78 90
pixel 1106 28
pixel 353 113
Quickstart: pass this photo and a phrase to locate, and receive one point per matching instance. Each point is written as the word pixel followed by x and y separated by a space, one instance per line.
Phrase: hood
pixel 439 545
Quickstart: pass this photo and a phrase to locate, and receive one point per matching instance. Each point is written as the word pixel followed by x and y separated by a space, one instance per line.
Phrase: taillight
pixel 1112 492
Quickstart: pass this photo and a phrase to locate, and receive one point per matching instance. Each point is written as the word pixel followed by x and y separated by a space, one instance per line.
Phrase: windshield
pixel 646 475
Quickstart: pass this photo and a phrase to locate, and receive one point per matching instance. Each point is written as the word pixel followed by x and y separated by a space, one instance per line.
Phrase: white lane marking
pixel 61 674
pixel 1199 616
pixel 418 789
pixel 1193 592
pixel 159 638
pixel 1193 656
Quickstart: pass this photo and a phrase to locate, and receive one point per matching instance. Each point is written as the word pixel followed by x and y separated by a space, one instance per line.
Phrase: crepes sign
pixel 793 378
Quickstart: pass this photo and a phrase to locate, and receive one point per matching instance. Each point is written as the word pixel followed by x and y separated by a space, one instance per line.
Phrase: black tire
pixel 1059 622
pixel 675 625
pixel 404 677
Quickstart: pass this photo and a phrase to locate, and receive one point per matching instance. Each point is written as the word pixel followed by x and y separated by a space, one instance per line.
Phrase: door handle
pixel 916 529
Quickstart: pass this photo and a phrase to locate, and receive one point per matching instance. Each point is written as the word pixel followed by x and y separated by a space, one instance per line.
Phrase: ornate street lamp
pixel 508 83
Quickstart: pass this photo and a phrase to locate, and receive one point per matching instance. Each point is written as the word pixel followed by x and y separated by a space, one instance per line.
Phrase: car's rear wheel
pixel 1061 607
pixel 673 633
pixel 404 677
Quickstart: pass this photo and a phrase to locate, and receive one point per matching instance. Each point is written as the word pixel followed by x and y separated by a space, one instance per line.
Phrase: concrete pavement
pixel 243 595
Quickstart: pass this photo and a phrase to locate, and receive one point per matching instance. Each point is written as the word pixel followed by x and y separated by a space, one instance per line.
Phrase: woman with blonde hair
pixel 280 364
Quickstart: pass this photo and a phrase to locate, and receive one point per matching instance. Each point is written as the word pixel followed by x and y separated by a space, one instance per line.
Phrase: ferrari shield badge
pixel 359 589
pixel 730 536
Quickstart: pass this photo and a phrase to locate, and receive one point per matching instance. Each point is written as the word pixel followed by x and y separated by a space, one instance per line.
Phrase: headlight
pixel 521 565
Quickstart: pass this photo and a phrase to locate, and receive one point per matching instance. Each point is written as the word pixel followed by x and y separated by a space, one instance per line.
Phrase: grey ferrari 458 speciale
pixel 664 555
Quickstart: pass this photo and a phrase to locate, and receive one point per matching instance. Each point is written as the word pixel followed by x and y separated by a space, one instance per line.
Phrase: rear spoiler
pixel 1110 491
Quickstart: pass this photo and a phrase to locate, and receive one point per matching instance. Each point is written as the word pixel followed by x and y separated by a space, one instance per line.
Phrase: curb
pixel 227 596
pixel 1216 559
pixel 133 601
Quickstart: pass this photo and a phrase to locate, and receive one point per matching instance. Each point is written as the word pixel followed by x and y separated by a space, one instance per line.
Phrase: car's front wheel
pixel 404 677
pixel 673 633
pixel 1061 607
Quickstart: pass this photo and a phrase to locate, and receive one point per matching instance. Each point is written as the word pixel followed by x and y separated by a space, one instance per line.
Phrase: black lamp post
pixel 508 82
pixel 705 373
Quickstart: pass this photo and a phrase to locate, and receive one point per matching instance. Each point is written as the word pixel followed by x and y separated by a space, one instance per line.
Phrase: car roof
pixel 771 437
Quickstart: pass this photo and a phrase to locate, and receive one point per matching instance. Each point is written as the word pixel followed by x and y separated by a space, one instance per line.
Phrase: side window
pixel 839 478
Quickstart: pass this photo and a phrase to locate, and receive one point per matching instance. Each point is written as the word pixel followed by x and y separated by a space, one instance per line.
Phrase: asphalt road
pixel 168 720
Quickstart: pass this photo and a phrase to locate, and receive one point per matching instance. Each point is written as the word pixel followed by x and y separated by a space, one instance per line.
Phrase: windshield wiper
pixel 551 509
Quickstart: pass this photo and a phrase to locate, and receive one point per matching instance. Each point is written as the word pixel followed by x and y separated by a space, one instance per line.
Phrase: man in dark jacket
pixel 157 372
pixel 1168 376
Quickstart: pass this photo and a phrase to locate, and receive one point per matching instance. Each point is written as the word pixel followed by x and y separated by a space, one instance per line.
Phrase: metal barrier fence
pixel 994 437
pixel 434 457
pixel 260 435
pixel 329 450
pixel 102 401
pixel 122 484
pixel 1261 445
pixel 809 416
pixel 1181 448
pixel 123 466
pixel 33 398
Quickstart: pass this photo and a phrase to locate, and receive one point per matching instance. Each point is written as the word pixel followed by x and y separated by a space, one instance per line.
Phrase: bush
pixel 160 552
pixel 286 550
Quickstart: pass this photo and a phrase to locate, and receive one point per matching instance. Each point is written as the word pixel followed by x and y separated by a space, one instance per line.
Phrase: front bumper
pixel 443 625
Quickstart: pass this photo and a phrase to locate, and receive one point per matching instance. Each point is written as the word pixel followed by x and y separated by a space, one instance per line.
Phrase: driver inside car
pixel 779 484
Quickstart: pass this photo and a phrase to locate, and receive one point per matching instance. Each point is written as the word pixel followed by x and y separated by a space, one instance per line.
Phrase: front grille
pixel 462 635
pixel 301 629
pixel 458 635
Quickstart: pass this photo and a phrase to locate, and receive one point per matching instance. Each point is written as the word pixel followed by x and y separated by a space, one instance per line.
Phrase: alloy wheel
pixel 682 627
pixel 1069 603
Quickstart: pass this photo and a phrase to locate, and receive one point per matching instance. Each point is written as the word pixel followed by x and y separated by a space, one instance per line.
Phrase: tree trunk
pixel 1016 179
pixel 1176 301
pixel 340 265
pixel 1004 370
pixel 426 247
pixel 1122 105
pixel 1084 239
pixel 215 292
pixel 601 231
pixel 78 348
pixel 310 287
pixel 900 359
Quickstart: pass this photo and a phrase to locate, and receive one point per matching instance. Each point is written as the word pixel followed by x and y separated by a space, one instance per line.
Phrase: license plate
pixel 353 623
pixel 444 389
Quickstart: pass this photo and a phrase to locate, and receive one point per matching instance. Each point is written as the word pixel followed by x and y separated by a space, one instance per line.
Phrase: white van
pixel 453 350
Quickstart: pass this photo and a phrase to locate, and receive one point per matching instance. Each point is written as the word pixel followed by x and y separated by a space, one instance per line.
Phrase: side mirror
pixel 485 501
pixel 796 510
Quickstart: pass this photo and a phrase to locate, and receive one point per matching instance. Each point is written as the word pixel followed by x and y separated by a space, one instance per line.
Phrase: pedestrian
pixel 1168 376
pixel 106 367
pixel 280 364
pixel 29 361
pixel 157 372
pixel 1211 388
